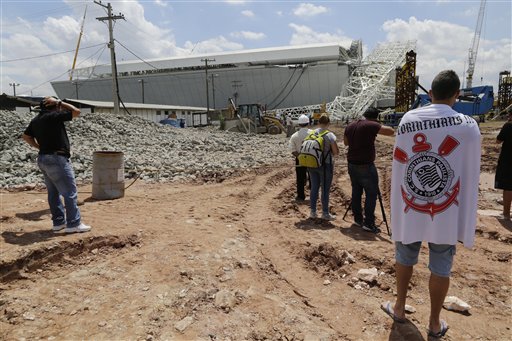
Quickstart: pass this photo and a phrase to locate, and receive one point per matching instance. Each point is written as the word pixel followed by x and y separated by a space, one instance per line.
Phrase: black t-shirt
pixel 49 131
pixel 361 136
pixel 505 135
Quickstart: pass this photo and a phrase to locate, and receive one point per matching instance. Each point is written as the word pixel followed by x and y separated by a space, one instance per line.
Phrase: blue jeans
pixel 60 180
pixel 320 177
pixel 364 177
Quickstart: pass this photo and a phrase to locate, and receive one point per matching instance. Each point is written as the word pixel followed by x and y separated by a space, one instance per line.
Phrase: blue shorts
pixel 440 256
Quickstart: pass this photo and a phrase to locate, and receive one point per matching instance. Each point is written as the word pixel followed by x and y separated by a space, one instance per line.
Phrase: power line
pixel 127 49
pixel 62 74
pixel 48 55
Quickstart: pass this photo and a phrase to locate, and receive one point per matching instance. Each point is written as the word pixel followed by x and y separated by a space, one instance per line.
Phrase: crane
pixel 473 50
pixel 78 45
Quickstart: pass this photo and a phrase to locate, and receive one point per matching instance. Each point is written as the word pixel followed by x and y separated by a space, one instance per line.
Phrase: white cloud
pixel 279 13
pixel 308 10
pixel 248 13
pixel 306 35
pixel 248 35
pixel 217 44
pixel 60 33
pixel 161 3
pixel 442 45
pixel 235 2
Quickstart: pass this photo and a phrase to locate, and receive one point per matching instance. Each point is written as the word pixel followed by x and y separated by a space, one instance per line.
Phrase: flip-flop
pixel 441 333
pixel 388 309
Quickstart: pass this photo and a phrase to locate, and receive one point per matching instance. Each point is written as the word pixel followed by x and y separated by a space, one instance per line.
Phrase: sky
pixel 39 38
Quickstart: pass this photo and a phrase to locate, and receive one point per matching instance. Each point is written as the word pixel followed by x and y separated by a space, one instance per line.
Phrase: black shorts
pixel 503 179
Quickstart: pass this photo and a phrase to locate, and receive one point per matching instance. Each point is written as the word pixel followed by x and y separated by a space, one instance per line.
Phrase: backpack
pixel 311 150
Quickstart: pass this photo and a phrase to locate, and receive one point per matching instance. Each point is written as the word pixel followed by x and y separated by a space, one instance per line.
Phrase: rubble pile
pixel 160 153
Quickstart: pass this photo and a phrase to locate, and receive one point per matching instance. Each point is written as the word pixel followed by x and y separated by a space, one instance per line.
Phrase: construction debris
pixel 159 152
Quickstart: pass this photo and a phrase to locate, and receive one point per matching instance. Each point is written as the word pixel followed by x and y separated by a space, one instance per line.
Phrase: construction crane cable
pixel 48 55
pixel 104 46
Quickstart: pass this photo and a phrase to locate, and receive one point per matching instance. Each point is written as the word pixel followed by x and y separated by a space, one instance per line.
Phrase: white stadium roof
pixel 265 56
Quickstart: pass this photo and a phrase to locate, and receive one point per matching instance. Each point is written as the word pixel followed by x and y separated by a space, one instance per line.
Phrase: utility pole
pixel 141 81
pixel 111 46
pixel 236 84
pixel 206 60
pixel 76 88
pixel 213 88
pixel 14 85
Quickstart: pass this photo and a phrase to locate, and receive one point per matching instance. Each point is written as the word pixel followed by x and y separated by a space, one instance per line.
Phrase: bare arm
pixel 52 101
pixel 75 112
pixel 345 140
pixel 30 140
pixel 386 130
pixel 334 148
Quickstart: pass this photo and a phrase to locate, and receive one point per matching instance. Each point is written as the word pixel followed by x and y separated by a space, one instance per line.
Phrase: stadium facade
pixel 278 77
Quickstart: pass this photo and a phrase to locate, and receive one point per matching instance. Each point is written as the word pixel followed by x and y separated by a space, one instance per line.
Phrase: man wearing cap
pixel 294 147
pixel 47 133
pixel 360 138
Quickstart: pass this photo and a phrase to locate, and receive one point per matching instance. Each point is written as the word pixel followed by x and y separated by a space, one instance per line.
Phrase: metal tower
pixel 370 80
pixel 504 90
pixel 473 50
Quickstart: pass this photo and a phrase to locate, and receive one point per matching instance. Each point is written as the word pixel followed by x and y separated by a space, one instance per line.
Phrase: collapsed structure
pixel 278 77
pixel 290 80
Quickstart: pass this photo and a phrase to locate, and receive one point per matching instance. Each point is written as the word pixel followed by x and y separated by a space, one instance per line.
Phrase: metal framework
pixel 405 91
pixel 504 90
pixel 369 81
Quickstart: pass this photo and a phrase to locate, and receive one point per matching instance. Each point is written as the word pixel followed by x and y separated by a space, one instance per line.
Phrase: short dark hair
pixel 445 84
pixel 324 119
pixel 371 113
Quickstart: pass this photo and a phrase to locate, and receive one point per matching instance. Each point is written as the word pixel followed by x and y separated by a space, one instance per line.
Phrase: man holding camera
pixel 434 193
pixel 360 138
pixel 47 133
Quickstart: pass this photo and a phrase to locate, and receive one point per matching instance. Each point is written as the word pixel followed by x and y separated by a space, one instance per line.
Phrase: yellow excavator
pixel 251 118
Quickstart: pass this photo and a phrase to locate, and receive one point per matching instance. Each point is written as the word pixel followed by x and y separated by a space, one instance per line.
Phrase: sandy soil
pixel 236 259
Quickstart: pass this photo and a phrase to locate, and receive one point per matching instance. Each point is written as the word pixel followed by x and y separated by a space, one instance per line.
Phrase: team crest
pixel 428 177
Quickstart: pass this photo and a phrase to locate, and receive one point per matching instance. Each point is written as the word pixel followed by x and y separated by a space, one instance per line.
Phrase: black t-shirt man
pixel 49 131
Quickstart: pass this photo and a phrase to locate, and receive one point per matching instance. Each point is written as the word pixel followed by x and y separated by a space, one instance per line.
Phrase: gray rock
pixel 368 275
pixel 225 299
pixel 184 324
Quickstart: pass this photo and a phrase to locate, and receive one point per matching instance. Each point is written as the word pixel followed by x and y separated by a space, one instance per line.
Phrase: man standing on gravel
pixel 434 193
pixel 47 133
pixel 360 138
pixel 294 147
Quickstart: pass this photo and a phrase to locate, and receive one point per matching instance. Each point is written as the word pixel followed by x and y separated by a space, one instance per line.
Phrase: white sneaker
pixel 80 228
pixel 58 228
pixel 328 216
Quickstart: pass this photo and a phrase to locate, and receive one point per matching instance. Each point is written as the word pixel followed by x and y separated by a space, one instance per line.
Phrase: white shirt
pixel 297 138
pixel 435 175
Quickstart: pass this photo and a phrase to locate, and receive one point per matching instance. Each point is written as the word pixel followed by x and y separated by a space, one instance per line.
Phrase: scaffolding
pixel 369 81
pixel 504 90
pixel 405 92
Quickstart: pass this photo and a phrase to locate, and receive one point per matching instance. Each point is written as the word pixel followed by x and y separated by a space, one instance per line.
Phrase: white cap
pixel 303 119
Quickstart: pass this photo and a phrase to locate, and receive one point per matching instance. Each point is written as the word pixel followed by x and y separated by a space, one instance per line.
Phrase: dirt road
pixel 234 260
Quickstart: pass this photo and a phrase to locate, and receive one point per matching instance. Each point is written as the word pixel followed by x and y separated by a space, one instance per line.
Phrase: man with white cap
pixel 294 146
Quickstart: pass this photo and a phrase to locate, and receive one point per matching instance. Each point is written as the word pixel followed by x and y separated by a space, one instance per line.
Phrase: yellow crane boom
pixel 78 45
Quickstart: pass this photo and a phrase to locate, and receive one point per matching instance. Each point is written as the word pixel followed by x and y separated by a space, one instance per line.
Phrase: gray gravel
pixel 160 153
